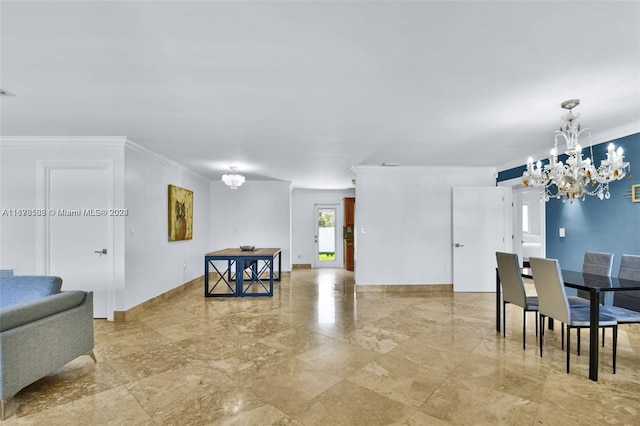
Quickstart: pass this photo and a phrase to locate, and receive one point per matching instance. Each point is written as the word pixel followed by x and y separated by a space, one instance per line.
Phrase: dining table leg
pixel 239 276
pixel 206 276
pixel 498 308
pixel 594 317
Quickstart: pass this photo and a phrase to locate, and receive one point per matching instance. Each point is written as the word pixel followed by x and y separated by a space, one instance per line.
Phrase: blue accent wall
pixel 611 226
pixel 514 173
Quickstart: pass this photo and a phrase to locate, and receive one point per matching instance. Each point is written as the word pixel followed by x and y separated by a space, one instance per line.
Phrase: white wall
pixel 146 264
pixel 154 264
pixel 21 161
pixel 258 213
pixel 406 214
pixel 304 221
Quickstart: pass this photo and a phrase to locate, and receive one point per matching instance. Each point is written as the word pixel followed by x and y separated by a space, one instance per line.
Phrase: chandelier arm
pixel 559 133
pixel 582 131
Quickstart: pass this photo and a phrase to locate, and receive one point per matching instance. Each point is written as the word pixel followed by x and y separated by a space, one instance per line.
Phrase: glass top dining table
pixel 622 292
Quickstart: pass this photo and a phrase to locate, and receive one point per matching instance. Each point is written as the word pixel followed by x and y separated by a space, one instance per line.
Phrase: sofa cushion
pixel 23 313
pixel 22 288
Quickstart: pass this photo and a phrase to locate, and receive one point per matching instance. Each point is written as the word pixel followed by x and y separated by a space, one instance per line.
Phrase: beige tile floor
pixel 318 354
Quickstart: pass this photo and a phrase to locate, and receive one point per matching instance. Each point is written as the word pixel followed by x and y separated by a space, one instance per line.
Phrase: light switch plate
pixel 561 232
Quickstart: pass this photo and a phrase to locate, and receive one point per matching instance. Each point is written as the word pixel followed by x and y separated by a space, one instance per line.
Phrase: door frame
pixel 42 243
pixel 338 261
pixel 517 189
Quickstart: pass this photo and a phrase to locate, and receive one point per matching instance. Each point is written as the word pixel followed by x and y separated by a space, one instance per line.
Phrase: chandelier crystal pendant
pixel 578 177
pixel 233 179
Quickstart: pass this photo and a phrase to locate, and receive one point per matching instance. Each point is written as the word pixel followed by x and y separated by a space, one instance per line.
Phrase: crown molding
pixel 384 169
pixel 63 140
pixel 163 160
pixel 617 133
pixel 96 141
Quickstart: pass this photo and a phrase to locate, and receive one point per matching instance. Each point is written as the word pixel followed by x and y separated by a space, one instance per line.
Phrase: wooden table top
pixel 237 252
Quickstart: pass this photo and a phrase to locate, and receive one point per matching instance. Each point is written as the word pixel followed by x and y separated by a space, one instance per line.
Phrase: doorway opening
pixel 326 247
pixel 326 235
pixel 529 224
pixel 529 221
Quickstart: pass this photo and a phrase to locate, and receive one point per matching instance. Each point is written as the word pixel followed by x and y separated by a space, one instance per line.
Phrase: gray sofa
pixel 41 329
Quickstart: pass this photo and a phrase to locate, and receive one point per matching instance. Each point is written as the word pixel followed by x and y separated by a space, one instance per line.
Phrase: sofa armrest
pixel 23 313
pixel 35 349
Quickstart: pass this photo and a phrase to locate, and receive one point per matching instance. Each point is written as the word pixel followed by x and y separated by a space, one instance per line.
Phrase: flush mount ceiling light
pixel 233 179
pixel 577 178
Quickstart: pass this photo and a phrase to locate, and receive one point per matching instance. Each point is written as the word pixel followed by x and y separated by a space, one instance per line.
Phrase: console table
pixel 231 280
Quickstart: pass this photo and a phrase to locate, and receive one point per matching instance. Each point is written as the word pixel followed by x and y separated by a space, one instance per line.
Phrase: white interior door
pixel 80 231
pixel 327 230
pixel 480 215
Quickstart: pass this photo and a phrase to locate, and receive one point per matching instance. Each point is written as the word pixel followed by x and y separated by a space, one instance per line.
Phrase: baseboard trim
pixel 129 314
pixel 386 288
pixel 301 266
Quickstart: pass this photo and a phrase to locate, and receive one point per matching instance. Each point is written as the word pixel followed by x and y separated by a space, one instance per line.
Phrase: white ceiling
pixel 301 91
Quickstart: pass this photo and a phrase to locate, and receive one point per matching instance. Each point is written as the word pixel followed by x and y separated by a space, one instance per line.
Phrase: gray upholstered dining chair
pixel 629 270
pixel 553 303
pixel 597 263
pixel 629 267
pixel 594 263
pixel 513 292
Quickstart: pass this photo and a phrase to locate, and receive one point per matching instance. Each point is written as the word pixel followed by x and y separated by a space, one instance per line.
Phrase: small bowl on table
pixel 247 248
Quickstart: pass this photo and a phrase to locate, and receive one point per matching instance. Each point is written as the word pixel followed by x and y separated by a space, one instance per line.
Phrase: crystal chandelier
pixel 233 179
pixel 578 177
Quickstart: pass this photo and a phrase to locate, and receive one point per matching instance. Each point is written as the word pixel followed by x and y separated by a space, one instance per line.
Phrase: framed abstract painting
pixel 180 213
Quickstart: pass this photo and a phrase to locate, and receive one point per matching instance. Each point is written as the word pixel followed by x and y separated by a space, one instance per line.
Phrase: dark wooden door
pixel 349 232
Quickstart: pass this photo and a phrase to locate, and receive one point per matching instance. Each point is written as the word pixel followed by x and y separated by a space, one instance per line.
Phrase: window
pixel 525 218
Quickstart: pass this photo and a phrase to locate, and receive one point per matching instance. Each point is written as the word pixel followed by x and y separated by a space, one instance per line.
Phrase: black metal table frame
pixel 242 261
pixel 596 285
